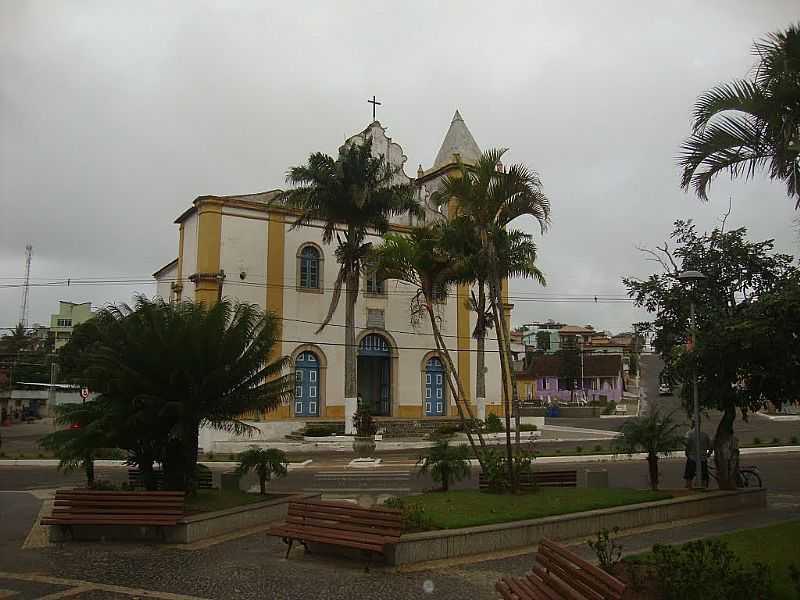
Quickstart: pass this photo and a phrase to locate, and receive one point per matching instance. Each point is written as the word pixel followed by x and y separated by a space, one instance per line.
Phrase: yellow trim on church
pixel 209 244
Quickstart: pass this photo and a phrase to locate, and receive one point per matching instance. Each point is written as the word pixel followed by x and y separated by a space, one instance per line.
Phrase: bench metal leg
pixel 369 561
pixel 288 541
pixel 305 547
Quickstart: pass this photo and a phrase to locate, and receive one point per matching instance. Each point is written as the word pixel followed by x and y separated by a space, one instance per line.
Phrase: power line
pixel 542 297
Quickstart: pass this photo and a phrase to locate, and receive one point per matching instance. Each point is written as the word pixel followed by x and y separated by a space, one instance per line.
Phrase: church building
pixel 244 248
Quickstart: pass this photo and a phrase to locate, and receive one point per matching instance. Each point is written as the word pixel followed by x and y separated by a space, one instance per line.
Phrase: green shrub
pixel 756 441
pixel 610 408
pixel 110 454
pixel 493 424
pixel 209 456
pixel 414 517
pixel 775 441
pixel 320 430
pixel 578 449
pixel 2 454
pixel 598 448
pixel 446 430
pixel 710 570
pixel 528 427
pixel 495 469
pixel 608 551
pixel 793 440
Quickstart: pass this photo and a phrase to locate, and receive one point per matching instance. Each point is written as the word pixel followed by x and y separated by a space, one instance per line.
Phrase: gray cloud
pixel 116 115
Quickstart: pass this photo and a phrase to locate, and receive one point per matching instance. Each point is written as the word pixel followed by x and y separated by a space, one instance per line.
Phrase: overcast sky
pixel 114 116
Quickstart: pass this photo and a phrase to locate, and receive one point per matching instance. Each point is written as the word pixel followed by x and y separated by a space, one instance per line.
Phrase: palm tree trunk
pixel 88 469
pixel 505 369
pixel 652 463
pixel 350 350
pixel 457 388
pixel 480 335
pixel 262 482
pixel 190 433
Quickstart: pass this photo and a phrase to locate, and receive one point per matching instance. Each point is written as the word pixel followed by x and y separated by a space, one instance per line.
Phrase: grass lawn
pixel 211 500
pixel 467 508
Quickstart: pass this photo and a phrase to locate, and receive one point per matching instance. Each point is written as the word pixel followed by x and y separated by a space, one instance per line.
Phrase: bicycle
pixel 747 477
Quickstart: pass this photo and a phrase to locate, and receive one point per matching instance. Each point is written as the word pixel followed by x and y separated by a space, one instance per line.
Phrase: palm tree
pixel 265 462
pixel 517 258
pixel 75 445
pixel 445 463
pixel 421 259
pixel 353 196
pixel 490 197
pixel 654 434
pixel 167 368
pixel 750 124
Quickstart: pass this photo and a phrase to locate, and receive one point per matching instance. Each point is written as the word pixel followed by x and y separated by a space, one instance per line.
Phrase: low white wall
pixel 214 440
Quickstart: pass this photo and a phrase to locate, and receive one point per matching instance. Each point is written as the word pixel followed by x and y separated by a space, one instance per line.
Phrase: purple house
pixel 602 379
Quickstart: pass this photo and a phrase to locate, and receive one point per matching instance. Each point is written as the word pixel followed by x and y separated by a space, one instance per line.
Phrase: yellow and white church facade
pixel 244 248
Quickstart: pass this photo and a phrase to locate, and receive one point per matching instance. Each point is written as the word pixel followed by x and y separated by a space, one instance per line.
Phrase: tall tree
pixel 569 372
pixel 163 369
pixel 750 124
pixel 421 259
pixel 490 197
pixel 351 197
pixel 739 274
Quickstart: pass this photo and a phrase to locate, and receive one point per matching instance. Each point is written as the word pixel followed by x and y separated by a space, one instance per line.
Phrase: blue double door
pixel 435 393
pixel 306 385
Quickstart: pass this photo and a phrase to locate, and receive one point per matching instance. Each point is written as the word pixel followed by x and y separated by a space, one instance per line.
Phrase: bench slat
pixel 343 510
pixel 559 574
pixel 581 581
pixel 611 582
pixel 311 537
pixel 310 522
pixel 90 507
pixel 378 540
pixel 366 521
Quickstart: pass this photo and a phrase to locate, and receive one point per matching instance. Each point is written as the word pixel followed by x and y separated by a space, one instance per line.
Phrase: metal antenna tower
pixel 26 288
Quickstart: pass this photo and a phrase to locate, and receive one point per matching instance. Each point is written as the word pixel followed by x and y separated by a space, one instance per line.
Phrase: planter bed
pixel 452 543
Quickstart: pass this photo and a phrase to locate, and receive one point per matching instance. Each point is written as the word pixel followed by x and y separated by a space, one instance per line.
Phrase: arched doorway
pixel 306 385
pixel 435 391
pixel 374 374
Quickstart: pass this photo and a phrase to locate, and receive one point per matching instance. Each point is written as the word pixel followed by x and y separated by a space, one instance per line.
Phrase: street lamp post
pixel 688 277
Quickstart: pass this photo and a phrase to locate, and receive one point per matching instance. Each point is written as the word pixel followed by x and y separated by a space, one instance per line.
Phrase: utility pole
pixel 26 288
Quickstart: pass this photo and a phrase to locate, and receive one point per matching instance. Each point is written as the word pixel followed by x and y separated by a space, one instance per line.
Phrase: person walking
pixel 691 454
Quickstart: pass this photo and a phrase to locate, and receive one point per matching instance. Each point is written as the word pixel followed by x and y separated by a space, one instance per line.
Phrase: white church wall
pixel 244 251
pixel 189 254
pixel 164 281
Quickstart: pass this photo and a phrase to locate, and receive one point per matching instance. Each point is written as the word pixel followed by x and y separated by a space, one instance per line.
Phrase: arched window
pixel 435 391
pixel 306 385
pixel 375 286
pixel 309 268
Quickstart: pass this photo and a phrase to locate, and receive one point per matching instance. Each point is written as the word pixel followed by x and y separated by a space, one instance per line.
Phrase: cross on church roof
pixel 374 103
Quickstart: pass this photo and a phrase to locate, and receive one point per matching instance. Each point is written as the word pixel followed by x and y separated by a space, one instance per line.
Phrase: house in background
pixel 602 379
pixel 64 321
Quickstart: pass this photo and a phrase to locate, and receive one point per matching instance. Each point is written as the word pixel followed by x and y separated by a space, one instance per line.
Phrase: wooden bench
pixel 539 479
pixel 204 478
pixel 340 524
pixel 96 507
pixel 558 573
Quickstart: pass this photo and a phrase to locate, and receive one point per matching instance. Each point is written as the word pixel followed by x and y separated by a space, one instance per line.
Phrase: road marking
pixel 67 593
pixel 38 535
pixel 103 587
pixel 357 490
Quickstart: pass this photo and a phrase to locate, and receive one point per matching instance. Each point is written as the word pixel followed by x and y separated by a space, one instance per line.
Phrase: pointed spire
pixel 458 142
